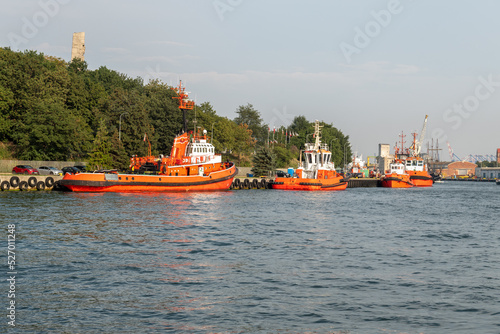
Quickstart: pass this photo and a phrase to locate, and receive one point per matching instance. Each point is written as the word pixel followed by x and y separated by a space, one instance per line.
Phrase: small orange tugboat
pixel 397 178
pixel 414 165
pixel 409 169
pixel 317 172
pixel 417 170
pixel 191 166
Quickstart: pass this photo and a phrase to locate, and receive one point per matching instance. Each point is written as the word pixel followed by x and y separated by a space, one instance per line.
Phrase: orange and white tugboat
pixel 397 177
pixel 317 172
pixel 191 166
pixel 417 170
pixel 408 169
pixel 415 165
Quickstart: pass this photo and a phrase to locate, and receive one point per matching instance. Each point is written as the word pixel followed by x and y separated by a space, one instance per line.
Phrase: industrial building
pixel 488 172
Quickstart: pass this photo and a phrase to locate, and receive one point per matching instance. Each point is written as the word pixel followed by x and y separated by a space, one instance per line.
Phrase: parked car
pixel 280 173
pixel 81 168
pixel 46 170
pixel 72 170
pixel 24 169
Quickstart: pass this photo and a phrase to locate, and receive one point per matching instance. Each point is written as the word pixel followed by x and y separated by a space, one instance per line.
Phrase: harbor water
pixel 364 260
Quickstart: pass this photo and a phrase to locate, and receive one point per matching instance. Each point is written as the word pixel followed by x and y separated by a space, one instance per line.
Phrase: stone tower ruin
pixel 78 49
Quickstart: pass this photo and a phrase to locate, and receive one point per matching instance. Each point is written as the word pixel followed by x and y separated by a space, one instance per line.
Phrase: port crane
pixel 453 156
pixel 474 158
pixel 417 144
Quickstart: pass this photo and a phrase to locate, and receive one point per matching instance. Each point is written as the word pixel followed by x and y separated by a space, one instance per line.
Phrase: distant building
pixel 384 157
pixel 498 155
pixel 459 168
pixel 78 48
pixel 488 172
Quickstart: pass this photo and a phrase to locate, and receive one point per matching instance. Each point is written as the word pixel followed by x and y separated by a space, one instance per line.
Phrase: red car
pixel 24 169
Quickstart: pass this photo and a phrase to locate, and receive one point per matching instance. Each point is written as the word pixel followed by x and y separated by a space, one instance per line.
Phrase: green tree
pixel 250 116
pixel 283 155
pixel 165 116
pixel 244 143
pixel 86 95
pixel 224 137
pixel 264 161
pixel 304 130
pixel 135 121
pixel 100 157
pixel 120 158
pixel 6 104
pixel 112 80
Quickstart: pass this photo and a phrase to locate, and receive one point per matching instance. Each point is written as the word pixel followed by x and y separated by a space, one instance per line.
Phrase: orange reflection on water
pixel 85 195
pixel 180 240
pixel 175 265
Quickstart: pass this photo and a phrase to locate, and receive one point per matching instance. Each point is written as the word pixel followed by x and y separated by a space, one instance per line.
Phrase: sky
pixel 371 68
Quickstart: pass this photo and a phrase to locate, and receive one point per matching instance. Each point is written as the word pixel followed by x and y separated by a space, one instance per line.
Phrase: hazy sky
pixel 372 68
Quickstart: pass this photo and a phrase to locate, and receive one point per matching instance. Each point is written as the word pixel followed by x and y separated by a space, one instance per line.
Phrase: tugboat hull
pixel 422 179
pixel 396 181
pixel 283 183
pixel 104 182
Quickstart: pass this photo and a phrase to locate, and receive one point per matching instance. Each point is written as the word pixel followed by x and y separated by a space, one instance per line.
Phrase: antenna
pixel 184 102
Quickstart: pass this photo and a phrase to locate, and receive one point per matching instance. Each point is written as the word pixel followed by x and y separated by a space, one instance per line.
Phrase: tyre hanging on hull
pixel 49 182
pixel 23 185
pixel 5 185
pixel 14 182
pixel 40 186
pixel 32 182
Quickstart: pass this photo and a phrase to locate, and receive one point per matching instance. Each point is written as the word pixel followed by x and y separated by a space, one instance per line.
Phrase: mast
pixel 185 103
pixel 402 135
pixel 317 135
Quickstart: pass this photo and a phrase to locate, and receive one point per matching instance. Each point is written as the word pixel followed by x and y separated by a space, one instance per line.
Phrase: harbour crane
pixel 453 156
pixel 450 150
pixel 417 146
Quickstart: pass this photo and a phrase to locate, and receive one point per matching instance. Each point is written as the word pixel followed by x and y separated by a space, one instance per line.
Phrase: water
pixel 366 260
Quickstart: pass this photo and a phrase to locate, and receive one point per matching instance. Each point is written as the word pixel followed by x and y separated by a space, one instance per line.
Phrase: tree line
pixel 51 109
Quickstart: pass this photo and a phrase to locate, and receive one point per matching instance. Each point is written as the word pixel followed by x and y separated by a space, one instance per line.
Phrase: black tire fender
pixel 32 182
pixel 255 184
pixel 14 182
pixel 23 185
pixel 5 185
pixel 49 182
pixel 246 183
pixel 40 185
pixel 237 183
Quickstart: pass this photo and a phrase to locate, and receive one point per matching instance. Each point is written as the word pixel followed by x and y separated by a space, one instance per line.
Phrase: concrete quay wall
pixel 7 165
pixel 33 181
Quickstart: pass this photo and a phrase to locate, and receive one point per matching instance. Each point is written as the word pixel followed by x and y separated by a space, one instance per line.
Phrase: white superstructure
pixel 316 156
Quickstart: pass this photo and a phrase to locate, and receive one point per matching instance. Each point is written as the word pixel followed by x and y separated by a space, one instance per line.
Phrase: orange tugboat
pixel 417 170
pixel 414 165
pixel 317 172
pixel 409 169
pixel 397 178
pixel 191 166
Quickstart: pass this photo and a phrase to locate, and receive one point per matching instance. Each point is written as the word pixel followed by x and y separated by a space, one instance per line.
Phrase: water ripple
pixel 359 261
